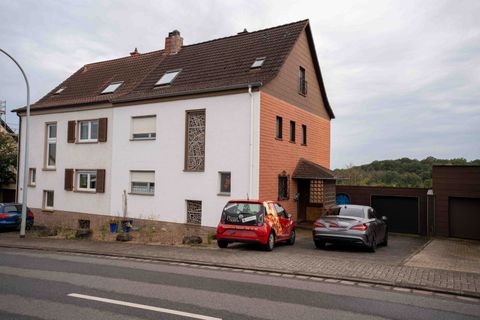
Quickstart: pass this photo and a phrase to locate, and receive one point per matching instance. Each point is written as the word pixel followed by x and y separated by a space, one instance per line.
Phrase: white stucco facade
pixel 89 156
pixel 231 145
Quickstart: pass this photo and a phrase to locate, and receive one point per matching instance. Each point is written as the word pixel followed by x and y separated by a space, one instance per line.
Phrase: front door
pixel 303 196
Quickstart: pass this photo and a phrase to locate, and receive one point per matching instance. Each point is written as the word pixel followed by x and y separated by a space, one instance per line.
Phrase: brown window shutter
pixel 69 179
pixel 71 132
pixel 102 129
pixel 100 180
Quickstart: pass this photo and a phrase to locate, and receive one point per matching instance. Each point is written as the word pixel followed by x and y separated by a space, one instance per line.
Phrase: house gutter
pixel 250 188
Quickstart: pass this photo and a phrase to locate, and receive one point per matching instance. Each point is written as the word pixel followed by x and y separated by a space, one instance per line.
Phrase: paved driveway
pixel 400 248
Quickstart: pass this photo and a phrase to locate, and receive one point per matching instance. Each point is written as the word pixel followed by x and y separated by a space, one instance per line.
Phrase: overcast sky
pixel 403 77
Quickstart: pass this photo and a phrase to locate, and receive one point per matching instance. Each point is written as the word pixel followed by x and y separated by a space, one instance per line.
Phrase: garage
pixel 402 212
pixel 464 216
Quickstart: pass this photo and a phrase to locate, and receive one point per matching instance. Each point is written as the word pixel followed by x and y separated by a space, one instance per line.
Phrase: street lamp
pixel 25 162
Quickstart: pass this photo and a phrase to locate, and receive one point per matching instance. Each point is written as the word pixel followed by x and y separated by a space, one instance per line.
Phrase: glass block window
pixel 194 212
pixel 195 141
pixel 316 191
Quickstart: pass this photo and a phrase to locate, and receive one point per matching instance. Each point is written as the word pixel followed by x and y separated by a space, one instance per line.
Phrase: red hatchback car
pixel 263 222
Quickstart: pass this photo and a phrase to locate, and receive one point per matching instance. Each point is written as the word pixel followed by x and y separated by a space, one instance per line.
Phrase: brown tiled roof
pixel 223 62
pixel 310 170
pixel 85 85
pixel 208 66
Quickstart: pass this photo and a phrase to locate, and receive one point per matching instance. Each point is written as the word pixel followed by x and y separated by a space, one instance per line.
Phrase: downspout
pixel 250 188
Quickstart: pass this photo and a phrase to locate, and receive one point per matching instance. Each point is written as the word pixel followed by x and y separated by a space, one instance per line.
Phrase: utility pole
pixel 25 161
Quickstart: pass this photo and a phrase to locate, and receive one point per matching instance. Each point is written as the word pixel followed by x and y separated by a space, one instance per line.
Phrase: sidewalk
pixel 281 260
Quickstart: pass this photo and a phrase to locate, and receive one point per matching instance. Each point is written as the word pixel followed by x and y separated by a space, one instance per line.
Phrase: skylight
pixel 60 90
pixel 258 62
pixel 167 78
pixel 112 87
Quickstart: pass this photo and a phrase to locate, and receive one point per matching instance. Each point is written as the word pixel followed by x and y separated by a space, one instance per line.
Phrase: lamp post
pixel 25 162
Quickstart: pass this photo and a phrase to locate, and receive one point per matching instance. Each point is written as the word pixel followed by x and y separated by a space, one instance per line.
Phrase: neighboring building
pixel 451 208
pixel 184 129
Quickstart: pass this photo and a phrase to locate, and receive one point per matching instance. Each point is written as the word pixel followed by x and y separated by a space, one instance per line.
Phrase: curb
pixel 396 286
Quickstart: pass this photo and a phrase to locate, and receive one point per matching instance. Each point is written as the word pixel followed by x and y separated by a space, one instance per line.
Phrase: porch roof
pixel 306 169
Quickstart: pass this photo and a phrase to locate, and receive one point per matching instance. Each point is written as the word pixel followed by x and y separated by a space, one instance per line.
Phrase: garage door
pixel 464 216
pixel 402 212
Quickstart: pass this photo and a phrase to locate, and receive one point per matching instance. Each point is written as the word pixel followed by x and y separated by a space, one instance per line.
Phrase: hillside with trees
pixel 403 172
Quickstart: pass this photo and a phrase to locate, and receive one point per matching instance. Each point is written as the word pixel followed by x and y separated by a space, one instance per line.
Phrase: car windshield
pixel 347 212
pixel 243 213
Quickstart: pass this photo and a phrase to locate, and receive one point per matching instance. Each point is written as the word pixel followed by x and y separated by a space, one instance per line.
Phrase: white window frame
pixel 32 177
pixel 144 135
pixel 89 131
pixel 51 141
pixel 89 174
pixel 45 199
pixel 148 185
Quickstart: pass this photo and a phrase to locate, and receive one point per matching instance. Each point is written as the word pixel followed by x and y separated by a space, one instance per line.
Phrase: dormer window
pixel 112 87
pixel 60 90
pixel 167 78
pixel 258 63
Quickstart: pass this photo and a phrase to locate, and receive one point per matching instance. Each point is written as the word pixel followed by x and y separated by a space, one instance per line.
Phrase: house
pixel 180 131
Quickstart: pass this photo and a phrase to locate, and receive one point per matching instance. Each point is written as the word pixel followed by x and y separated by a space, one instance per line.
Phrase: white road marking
pixel 143 306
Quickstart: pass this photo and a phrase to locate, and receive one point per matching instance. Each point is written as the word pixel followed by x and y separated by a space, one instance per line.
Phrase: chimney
pixel 173 43
pixel 134 52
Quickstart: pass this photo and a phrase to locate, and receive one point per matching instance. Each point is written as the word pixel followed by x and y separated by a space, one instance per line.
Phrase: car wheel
pixel 222 244
pixel 319 244
pixel 291 239
pixel 270 242
pixel 373 245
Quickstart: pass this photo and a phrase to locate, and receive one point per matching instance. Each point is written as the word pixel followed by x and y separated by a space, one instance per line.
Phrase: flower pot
pixel 113 227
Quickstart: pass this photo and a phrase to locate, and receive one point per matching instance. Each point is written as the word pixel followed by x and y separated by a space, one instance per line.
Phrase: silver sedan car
pixel 352 224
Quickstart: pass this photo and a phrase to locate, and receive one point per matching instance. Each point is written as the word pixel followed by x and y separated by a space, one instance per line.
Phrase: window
pixel 142 182
pixel 48 200
pixel 88 131
pixel 144 127
pixel 283 186
pixel 167 78
pixel 225 183
pixel 316 191
pixel 195 141
pixel 292 131
pixel 112 87
pixel 32 177
pixel 302 83
pixel 278 128
pixel 51 145
pixel 60 90
pixel 194 212
pixel 258 63
pixel 87 181
pixel 304 135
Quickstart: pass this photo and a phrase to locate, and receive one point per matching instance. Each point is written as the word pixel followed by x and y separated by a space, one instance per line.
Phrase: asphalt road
pixel 42 285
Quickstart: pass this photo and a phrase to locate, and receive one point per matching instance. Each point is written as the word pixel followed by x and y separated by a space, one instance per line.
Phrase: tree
pixel 8 158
